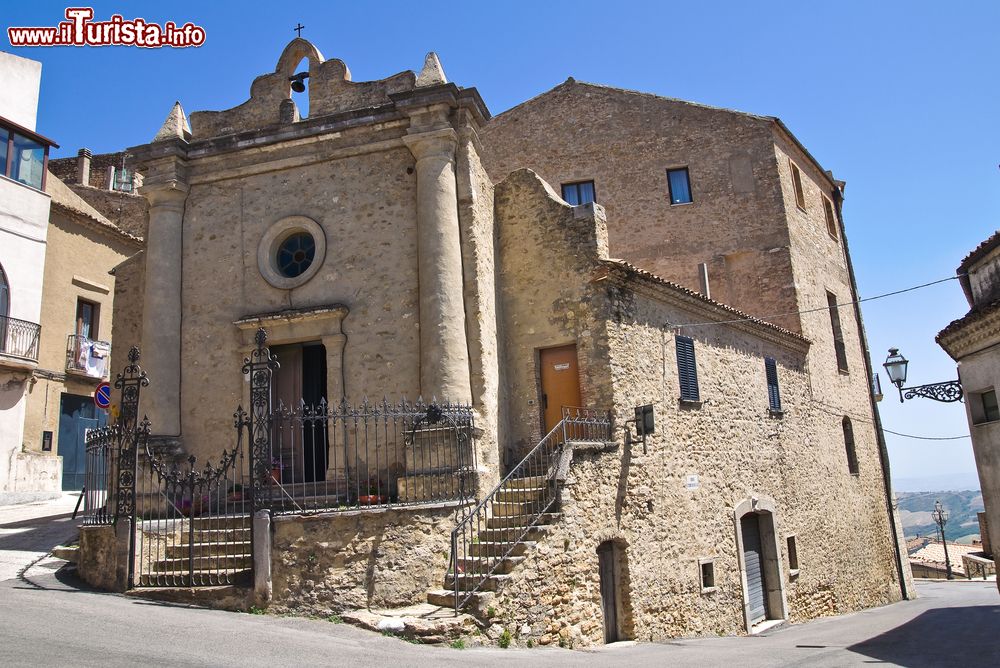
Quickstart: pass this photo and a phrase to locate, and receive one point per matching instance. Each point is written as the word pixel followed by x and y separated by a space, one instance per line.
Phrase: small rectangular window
pixel 27 162
pixel 838 333
pixel 831 218
pixel 578 193
pixel 984 407
pixel 687 369
pixel 707 568
pixel 121 179
pixel 800 198
pixel 679 186
pixel 87 318
pixel 773 393
pixel 793 556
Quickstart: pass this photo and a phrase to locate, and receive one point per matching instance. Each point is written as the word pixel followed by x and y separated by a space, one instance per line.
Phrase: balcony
pixel 18 343
pixel 86 357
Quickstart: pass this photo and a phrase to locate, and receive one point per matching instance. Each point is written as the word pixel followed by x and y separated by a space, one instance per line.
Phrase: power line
pixel 925 438
pixel 821 308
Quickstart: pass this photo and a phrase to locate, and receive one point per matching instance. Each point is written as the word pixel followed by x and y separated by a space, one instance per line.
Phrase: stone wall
pixel 547 252
pixel 625 141
pixel 343 561
pixel 99 559
pixel 739 450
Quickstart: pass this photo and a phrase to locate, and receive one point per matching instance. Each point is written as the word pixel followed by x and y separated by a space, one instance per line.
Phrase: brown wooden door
pixel 608 570
pixel 560 382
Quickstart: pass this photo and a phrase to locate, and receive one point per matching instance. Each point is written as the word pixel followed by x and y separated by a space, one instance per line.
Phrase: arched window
pixel 852 455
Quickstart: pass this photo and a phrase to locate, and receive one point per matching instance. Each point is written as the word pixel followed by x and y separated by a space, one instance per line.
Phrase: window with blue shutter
pixel 687 370
pixel 773 393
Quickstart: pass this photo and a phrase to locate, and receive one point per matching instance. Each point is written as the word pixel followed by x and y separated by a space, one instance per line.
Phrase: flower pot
pixel 370 499
pixel 276 475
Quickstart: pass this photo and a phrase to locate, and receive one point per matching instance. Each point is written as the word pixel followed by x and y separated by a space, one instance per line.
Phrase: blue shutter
pixel 687 369
pixel 773 394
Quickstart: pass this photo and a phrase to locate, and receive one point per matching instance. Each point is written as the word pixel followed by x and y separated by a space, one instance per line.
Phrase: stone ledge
pixel 375 510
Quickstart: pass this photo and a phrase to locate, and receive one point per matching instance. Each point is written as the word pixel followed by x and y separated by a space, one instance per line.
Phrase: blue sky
pixel 899 99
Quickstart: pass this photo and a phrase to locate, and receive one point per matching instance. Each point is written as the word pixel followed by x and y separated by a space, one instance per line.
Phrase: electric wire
pixel 820 308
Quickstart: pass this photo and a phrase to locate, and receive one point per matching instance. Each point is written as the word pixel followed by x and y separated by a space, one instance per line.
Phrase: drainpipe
pixel 883 453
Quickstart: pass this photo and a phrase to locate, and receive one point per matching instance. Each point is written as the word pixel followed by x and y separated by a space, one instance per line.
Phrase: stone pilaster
pixel 444 352
pixel 161 323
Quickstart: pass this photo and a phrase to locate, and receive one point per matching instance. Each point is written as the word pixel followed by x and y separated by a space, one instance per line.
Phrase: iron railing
pixel 342 457
pixel 193 523
pixel 19 338
pixel 489 538
pixel 87 356
pixel 99 486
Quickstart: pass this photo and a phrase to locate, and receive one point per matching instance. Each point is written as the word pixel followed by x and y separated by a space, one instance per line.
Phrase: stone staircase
pixel 512 528
pixel 218 548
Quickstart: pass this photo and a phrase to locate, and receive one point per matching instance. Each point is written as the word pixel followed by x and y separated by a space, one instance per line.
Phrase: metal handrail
pixel 541 461
pixel 19 338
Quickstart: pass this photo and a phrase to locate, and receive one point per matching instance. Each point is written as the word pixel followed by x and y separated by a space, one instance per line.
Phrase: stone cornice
pixel 974 332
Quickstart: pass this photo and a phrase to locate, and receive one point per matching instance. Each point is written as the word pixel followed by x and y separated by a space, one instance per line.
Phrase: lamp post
pixel 895 365
pixel 940 516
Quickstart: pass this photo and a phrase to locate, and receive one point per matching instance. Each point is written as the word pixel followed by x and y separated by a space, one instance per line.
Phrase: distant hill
pixel 963 525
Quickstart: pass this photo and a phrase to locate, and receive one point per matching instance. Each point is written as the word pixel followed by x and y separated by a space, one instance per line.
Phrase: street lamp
pixel 940 516
pixel 895 365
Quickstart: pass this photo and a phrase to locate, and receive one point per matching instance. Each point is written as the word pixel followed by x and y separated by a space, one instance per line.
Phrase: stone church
pixel 592 249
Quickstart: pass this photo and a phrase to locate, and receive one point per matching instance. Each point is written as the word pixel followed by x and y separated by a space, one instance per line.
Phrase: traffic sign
pixel 102 396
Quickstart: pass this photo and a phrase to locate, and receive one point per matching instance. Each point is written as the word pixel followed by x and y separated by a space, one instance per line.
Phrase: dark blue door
pixel 77 416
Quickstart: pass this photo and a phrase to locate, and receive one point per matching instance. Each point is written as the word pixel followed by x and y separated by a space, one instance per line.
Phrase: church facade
pixel 401 242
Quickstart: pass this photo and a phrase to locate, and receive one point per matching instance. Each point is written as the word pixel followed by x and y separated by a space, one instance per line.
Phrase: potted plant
pixel 373 496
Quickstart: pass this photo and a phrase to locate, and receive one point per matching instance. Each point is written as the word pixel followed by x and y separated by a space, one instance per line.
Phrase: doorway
pixel 560 376
pixel 300 444
pixel 77 416
pixel 609 568
pixel 753 561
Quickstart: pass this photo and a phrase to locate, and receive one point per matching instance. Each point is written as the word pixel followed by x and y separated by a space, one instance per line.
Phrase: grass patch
pixel 254 610
pixel 504 640
pixel 335 619
pixel 458 643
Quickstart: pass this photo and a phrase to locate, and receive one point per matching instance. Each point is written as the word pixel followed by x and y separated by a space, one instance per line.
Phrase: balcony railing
pixel 87 357
pixel 19 338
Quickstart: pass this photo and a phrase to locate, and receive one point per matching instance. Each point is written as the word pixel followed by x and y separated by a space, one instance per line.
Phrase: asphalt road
pixel 48 618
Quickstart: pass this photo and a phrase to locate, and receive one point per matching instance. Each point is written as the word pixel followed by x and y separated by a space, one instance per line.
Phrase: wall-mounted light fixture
pixel 896 366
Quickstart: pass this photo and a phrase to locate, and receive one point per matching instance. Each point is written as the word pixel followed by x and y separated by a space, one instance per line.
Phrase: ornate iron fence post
pixel 260 366
pixel 130 382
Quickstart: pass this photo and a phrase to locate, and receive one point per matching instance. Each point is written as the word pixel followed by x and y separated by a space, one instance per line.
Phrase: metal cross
pixel 298 28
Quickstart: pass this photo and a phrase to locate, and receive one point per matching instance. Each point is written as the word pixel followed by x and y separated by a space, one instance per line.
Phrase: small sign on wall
pixel 691 482
pixel 561 366
pixel 46 441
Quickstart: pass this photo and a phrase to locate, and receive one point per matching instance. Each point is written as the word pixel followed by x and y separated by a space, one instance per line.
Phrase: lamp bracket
pixel 947 392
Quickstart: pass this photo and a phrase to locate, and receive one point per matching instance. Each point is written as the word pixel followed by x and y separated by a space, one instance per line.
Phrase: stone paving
pixel 29 531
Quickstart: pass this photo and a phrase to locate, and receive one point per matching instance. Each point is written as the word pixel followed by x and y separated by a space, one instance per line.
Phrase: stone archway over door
pixel 760 560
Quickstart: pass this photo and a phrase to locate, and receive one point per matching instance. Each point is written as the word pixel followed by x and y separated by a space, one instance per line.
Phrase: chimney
pixel 83 166
pixel 703 279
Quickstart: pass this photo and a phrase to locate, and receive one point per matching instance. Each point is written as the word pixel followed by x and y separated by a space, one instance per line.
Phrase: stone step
pixel 489 583
pixel 69 553
pixel 206 589
pixel 227 549
pixel 515 509
pixel 222 522
pixel 483 565
pixel 446 598
pixel 229 562
pixel 513 521
pixel 217 535
pixel 488 549
pixel 520 494
pixel 509 535
pixel 425 623
pixel 527 482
